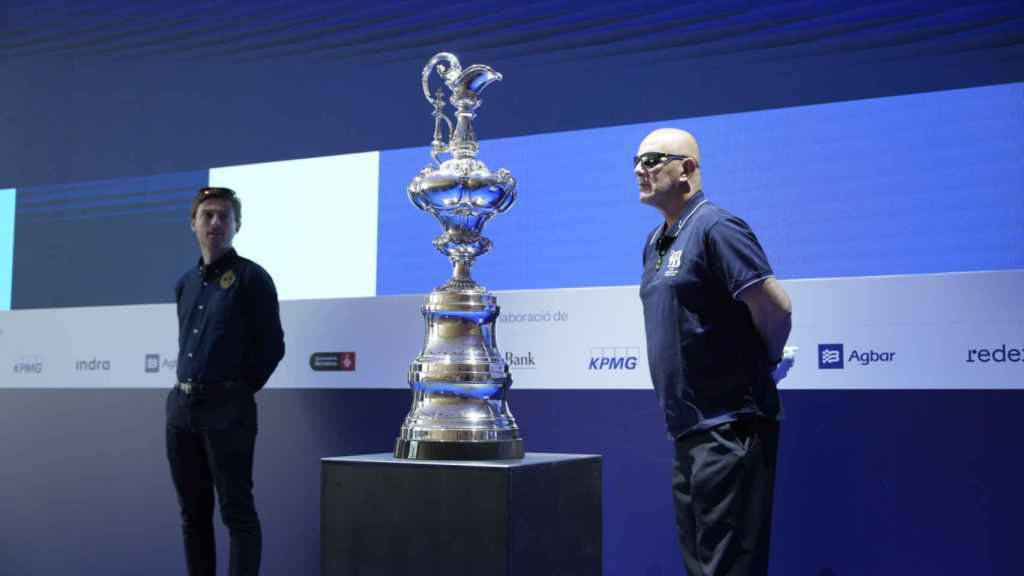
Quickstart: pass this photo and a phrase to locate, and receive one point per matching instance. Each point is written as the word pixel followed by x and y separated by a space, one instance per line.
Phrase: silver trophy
pixel 460 380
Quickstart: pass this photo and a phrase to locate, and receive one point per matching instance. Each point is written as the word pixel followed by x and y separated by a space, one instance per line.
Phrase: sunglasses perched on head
pixel 651 159
pixel 217 192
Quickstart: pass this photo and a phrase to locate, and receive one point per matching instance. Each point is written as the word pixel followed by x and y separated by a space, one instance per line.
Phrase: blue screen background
pixel 915 184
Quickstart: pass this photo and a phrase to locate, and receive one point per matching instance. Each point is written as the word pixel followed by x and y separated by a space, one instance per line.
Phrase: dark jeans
pixel 210 442
pixel 723 482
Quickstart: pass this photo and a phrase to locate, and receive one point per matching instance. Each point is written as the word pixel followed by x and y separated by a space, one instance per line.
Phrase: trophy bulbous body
pixel 463 195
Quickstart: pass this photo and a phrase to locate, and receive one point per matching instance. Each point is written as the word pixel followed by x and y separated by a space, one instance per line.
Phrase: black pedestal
pixel 380 516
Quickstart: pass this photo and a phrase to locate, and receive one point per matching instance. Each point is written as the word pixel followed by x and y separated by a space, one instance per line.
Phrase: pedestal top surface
pixel 531 459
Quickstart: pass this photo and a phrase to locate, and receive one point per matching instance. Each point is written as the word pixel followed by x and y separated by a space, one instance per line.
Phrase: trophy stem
pixel 461 281
pixel 461 272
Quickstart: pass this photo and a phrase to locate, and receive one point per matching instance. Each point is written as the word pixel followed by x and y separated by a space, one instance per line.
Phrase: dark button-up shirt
pixel 708 363
pixel 229 325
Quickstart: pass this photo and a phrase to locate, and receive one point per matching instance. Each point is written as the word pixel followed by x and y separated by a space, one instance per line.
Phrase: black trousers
pixel 723 483
pixel 210 443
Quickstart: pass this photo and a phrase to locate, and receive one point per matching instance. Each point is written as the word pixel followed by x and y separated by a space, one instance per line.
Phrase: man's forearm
pixel 774 331
pixel 771 311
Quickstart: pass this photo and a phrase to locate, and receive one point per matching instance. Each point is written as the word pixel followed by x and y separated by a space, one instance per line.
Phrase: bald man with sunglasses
pixel 716 321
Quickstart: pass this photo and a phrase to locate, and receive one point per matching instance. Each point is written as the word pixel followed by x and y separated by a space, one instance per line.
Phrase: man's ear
pixel 192 224
pixel 238 225
pixel 684 174
pixel 689 166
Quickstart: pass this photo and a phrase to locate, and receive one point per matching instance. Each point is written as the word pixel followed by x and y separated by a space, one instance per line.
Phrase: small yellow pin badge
pixel 227 279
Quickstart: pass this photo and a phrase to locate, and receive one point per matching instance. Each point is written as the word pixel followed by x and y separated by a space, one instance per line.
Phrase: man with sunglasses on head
pixel 230 340
pixel 716 321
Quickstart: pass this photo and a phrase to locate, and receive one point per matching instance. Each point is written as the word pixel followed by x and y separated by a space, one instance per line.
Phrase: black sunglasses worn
pixel 651 159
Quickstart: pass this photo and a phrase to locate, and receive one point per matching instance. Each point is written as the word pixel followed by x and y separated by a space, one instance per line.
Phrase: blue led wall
pixel 914 184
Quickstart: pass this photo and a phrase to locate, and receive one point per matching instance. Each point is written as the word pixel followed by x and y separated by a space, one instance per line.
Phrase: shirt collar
pixel 217 265
pixel 691 206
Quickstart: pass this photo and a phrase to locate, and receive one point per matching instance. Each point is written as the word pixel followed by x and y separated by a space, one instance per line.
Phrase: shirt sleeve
pixel 735 256
pixel 265 346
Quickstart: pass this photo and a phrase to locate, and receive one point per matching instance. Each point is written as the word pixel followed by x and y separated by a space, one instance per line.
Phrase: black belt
pixel 193 388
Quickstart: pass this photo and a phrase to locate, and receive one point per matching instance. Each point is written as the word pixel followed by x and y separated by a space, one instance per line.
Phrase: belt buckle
pixel 188 389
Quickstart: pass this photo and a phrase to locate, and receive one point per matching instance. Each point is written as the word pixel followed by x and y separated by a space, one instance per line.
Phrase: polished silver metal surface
pixel 460 380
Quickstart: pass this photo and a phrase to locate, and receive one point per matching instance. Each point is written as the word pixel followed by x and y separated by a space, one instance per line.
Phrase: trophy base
pixel 433 450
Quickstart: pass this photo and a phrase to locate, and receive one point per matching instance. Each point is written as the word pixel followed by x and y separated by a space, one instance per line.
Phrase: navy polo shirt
pixel 707 361
pixel 229 325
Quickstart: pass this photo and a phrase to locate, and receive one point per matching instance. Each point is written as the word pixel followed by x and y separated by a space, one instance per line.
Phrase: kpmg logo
pixel 614 359
pixel 830 357
pixel 521 361
pixel 333 361
pixel 93 365
pixel 154 364
pixel 29 365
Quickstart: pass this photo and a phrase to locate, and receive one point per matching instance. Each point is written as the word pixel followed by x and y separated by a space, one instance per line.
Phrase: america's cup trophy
pixel 460 380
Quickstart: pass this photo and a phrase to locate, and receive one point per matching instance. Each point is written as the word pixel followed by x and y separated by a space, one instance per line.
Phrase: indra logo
pixel 29 365
pixel 333 361
pixel 94 365
pixel 521 361
pixel 830 357
pixel 614 359
pixel 154 364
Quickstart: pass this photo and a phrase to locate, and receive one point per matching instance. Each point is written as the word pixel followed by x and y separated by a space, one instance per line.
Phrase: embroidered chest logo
pixel 675 260
pixel 227 279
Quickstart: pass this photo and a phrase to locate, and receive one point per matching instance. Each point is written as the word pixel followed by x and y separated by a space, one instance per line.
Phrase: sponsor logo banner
pixel 333 361
pixel 154 364
pixel 897 332
pixel 997 355
pixel 521 361
pixel 604 358
pixel 30 364
pixel 92 365
pixel 830 356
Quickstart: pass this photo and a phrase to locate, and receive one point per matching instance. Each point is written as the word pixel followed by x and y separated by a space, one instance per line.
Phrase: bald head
pixel 667 169
pixel 671 141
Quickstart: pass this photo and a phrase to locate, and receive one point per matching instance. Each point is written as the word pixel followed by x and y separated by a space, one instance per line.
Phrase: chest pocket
pixel 224 305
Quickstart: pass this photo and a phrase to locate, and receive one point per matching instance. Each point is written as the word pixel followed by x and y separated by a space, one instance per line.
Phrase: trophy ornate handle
pixel 437 145
pixel 447 73
pixel 449 69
